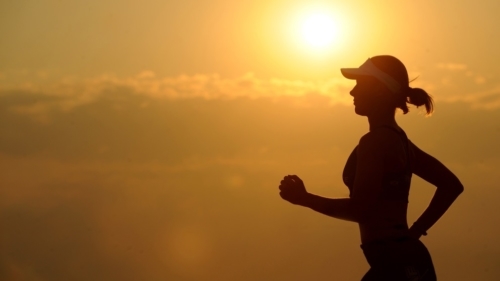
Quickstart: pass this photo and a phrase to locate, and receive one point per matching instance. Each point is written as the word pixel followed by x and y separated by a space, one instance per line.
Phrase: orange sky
pixel 145 140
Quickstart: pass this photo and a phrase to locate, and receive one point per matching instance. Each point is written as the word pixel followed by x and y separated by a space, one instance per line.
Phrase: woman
pixel 378 174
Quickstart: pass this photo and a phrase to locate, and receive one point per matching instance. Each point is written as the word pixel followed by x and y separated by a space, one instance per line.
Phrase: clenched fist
pixel 292 189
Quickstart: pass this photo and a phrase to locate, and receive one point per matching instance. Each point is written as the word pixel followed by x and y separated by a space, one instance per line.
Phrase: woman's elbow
pixel 451 186
pixel 455 189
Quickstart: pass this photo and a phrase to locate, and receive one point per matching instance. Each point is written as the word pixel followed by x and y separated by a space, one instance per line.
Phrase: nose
pixel 353 92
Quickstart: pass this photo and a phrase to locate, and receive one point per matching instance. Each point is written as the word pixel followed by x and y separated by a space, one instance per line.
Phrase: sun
pixel 319 30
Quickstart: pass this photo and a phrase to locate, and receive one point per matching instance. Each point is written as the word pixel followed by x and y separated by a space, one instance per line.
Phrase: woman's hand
pixel 292 189
pixel 414 234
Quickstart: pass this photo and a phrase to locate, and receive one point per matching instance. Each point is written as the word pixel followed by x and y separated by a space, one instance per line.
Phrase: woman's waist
pixel 384 242
pixel 387 212
pixel 382 231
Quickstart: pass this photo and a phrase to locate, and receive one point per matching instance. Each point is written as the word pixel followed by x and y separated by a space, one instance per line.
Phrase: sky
pixel 145 140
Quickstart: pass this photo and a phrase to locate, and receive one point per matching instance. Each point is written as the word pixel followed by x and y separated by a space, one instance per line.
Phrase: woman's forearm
pixel 439 204
pixel 339 208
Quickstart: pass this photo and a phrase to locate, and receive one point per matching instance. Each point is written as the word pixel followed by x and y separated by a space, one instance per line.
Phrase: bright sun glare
pixel 319 30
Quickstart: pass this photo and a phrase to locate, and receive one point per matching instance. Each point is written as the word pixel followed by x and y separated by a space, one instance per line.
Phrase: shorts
pixel 402 259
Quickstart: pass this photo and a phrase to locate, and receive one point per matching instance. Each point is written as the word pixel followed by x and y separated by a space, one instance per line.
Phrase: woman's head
pixel 382 84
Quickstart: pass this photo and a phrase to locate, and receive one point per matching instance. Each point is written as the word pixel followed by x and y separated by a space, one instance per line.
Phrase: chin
pixel 360 111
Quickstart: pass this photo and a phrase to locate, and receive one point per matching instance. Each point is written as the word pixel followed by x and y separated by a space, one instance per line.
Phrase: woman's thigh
pixel 406 260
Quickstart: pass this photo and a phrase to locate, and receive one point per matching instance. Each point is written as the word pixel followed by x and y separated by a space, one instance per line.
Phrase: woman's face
pixel 370 96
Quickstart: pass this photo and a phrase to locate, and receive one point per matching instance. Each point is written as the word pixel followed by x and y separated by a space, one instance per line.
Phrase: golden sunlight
pixel 319 30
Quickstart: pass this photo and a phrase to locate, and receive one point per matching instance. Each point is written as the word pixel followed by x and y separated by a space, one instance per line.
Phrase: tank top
pixel 395 185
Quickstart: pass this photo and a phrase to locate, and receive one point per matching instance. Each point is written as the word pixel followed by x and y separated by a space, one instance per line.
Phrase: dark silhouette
pixel 378 174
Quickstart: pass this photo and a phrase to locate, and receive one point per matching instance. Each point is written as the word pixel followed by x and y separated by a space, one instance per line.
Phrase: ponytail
pixel 417 97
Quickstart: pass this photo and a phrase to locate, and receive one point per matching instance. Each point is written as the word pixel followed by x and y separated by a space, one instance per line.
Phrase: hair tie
pixel 407 91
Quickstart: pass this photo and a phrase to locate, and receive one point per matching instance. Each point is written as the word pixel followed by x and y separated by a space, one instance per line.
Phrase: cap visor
pixel 352 73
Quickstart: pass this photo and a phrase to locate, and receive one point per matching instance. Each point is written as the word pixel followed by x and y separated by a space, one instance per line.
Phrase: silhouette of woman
pixel 378 174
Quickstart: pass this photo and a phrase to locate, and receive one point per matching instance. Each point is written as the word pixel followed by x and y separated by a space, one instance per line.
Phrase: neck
pixel 377 120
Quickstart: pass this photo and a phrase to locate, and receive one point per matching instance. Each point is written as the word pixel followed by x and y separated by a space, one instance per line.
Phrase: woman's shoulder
pixel 373 141
pixel 382 136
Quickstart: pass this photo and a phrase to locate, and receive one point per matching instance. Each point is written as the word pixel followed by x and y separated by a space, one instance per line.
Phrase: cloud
pixel 452 66
pixel 458 83
pixel 488 99
pixel 39 97
pixel 71 92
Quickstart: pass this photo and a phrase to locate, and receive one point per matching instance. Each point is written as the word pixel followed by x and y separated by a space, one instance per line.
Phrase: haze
pixel 145 140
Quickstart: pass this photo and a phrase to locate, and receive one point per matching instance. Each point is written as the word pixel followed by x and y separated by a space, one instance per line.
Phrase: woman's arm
pixel 447 184
pixel 367 185
pixel 292 189
pixel 339 208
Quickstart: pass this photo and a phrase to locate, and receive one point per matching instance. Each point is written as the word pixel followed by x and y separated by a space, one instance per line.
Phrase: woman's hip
pixel 398 259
